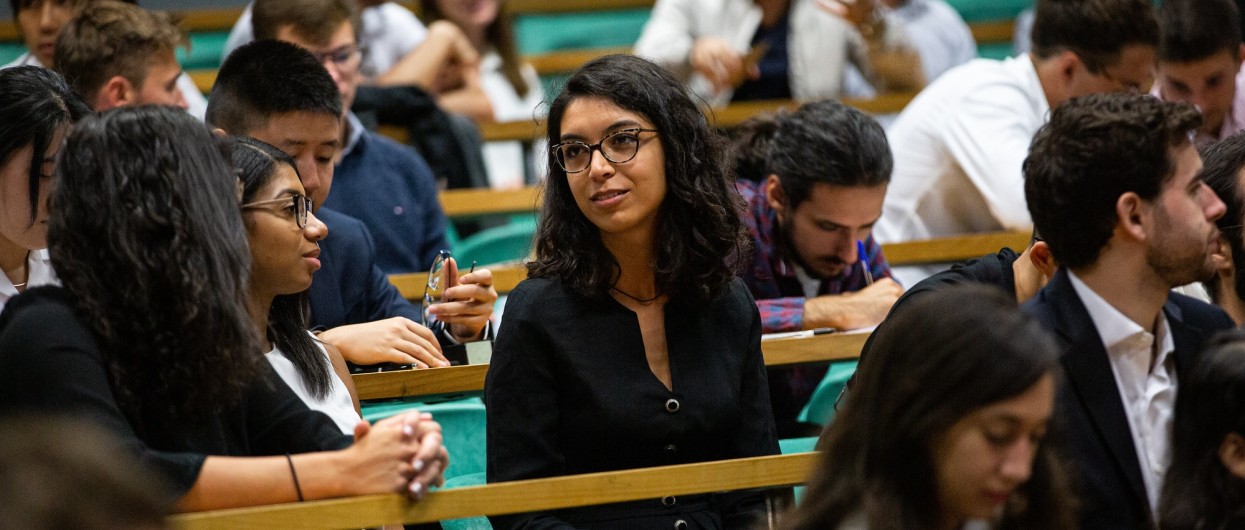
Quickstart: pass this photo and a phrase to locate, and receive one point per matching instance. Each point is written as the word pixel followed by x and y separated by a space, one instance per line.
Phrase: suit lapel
pixel 1092 380
pixel 1186 338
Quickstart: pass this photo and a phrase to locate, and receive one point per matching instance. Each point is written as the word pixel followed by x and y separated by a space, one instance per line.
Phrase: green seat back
pixel 469 523
pixel 462 426
pixel 509 242
pixel 820 407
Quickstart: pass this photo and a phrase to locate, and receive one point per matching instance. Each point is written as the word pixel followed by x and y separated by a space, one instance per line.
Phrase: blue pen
pixel 864 265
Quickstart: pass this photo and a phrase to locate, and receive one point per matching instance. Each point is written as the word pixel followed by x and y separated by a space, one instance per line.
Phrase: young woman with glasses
pixel 37 108
pixel 631 343
pixel 151 335
pixel 285 248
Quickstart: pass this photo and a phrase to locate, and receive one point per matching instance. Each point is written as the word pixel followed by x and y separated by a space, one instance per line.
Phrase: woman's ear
pixel 1232 454
pixel 1222 256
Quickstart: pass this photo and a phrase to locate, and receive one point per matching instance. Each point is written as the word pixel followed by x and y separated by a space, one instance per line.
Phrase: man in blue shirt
pixel 385 184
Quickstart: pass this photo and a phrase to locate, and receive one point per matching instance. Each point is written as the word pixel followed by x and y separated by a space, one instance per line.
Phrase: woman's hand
pixel 724 67
pixel 468 302
pixel 402 453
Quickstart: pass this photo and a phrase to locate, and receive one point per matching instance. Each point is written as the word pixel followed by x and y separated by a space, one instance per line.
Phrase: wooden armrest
pixel 515 497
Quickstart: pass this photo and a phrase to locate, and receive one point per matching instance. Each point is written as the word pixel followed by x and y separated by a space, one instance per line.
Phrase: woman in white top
pixel 284 239
pixel 36 110
pixel 512 87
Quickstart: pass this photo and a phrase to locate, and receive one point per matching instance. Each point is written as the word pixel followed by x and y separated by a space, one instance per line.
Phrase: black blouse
pixel 570 391
pixel 50 362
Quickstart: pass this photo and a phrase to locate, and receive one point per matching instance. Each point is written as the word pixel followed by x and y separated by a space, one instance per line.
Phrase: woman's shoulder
pixel 45 309
pixel 735 295
pixel 538 287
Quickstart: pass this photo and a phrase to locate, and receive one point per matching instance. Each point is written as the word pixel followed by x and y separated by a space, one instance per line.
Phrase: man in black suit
pixel 1114 186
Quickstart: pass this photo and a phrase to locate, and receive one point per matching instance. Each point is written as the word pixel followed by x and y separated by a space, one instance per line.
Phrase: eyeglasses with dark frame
pixel 617 147
pixel 301 205
pixel 340 55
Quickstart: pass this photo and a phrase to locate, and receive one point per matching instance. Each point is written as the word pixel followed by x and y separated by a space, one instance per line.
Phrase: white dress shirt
pixel 390 31
pixel 819 47
pixel 38 272
pixel 1145 376
pixel 507 162
pixel 958 148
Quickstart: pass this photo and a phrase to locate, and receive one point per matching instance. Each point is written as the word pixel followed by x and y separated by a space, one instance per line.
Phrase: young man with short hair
pixel 959 145
pixel 1200 58
pixel 115 54
pixel 280 94
pixel 828 166
pixel 39 23
pixel 1115 188
pixel 385 184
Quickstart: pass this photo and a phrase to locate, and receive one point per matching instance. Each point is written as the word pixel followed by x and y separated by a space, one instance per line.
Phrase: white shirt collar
pixel 1115 329
pixel 38 272
pixel 354 133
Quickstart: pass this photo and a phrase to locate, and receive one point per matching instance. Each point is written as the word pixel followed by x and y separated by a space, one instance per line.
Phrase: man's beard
pixel 786 240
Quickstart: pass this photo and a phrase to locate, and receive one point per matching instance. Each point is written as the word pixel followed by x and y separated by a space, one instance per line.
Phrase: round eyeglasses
pixel 617 147
pixel 432 289
pixel 298 205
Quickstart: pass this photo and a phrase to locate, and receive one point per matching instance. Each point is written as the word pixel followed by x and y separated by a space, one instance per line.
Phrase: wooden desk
pixel 474 202
pixel 953 249
pixel 945 250
pixel 470 378
pixel 515 497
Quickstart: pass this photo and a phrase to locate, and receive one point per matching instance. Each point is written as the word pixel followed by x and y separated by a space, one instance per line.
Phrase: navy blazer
pixel 1092 425
pixel 349 288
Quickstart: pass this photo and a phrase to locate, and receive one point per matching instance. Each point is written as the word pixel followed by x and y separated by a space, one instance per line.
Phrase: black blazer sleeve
pixel 522 401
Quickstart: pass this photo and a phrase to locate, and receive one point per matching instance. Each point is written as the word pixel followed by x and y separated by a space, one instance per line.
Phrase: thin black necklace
pixel 636 298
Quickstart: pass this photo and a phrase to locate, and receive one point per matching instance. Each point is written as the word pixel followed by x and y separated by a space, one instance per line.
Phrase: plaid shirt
pixel 771 277
pixel 780 297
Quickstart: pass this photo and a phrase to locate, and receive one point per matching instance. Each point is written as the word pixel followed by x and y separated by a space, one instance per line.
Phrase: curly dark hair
pixel 34 104
pixel 257 163
pixel 1096 30
pixel 1199 492
pixel 943 358
pixel 701 234
pixel 1094 149
pixel 146 233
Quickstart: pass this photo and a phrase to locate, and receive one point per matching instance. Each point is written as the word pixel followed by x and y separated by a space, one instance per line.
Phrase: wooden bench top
pixel 514 497
pixel 470 378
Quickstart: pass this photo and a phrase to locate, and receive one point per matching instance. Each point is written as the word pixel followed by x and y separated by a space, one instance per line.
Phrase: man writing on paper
pixel 828 165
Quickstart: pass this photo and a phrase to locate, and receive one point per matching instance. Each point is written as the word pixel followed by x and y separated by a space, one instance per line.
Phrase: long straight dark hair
pixel 945 356
pixel 1199 493
pixel 146 235
pixel 257 162
pixel 34 104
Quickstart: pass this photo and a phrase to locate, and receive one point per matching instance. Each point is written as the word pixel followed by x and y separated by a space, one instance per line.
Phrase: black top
pixel 50 362
pixel 570 391
pixel 349 288
pixel 991 269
